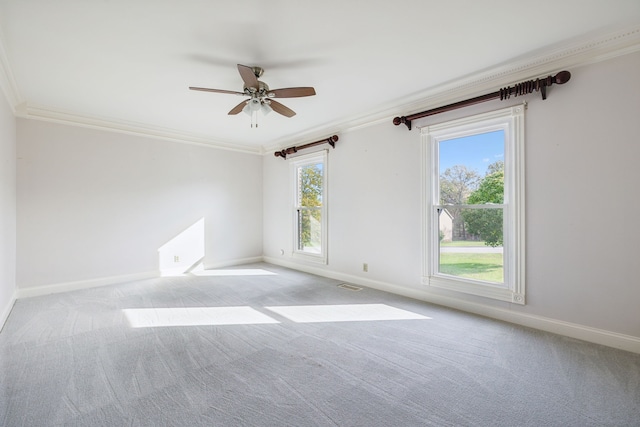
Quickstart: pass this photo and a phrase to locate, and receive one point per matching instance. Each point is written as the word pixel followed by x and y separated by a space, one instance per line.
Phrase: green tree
pixel 456 184
pixel 310 188
pixel 487 223
pixel 496 166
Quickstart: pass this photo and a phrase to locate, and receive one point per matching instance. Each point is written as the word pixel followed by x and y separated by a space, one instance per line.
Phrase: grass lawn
pixel 488 267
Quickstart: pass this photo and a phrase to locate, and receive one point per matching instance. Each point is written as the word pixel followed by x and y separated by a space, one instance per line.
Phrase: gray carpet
pixel 75 359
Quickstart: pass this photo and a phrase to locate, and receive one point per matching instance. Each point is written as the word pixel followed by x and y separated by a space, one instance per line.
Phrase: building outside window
pixel 473 172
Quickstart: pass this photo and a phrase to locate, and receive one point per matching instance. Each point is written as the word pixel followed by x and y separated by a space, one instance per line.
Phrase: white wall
pixel 7 209
pixel 362 226
pixel 582 154
pixel 582 169
pixel 95 205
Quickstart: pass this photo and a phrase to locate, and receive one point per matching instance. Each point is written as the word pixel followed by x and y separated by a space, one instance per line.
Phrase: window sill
pixel 310 257
pixel 487 290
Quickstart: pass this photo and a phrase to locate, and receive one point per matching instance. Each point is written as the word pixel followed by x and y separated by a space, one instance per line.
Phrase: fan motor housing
pixel 262 87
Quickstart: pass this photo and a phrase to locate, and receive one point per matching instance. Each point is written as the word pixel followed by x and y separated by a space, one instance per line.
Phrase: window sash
pixel 315 252
pixel 313 232
pixel 437 269
pixel 511 120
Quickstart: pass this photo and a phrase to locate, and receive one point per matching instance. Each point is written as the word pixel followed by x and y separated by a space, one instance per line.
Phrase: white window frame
pixel 511 120
pixel 296 163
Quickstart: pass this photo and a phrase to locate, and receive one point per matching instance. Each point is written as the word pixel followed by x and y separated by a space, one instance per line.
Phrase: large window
pixel 310 219
pixel 474 204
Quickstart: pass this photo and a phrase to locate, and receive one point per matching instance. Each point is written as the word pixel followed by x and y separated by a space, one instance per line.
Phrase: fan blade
pixel 204 89
pixel 281 109
pixel 250 79
pixel 291 92
pixel 237 108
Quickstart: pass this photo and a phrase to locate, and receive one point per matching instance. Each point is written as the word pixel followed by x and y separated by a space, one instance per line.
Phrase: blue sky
pixel 475 151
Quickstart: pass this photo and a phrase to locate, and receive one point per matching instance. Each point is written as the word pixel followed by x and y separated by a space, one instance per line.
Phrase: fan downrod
pixel 257 71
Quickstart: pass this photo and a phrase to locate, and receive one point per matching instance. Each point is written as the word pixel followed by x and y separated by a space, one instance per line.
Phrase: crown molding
pixel 23 109
pixel 588 49
pixel 7 81
pixel 591 48
pixel 28 111
pixel 577 52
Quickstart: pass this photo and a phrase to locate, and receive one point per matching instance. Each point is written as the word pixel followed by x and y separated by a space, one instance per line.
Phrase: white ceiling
pixel 129 63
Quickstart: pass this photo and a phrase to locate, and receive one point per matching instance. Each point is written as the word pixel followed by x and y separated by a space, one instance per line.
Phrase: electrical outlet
pixel 365 267
pixel 176 258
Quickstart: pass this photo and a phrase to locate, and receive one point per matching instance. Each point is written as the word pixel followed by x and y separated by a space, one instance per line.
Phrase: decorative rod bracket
pixel 283 153
pixel 519 89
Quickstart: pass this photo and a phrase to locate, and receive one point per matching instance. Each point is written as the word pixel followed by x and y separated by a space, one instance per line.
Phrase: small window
pixel 474 205
pixel 309 216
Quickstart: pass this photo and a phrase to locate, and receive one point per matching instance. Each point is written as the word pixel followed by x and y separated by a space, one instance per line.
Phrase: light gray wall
pixel 94 204
pixel 582 154
pixel 582 184
pixel 7 209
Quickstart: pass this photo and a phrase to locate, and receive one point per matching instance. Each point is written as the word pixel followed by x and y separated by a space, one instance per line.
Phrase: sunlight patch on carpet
pixel 344 313
pixel 194 316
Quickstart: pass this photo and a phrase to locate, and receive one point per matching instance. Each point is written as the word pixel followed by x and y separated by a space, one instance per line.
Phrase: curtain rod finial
pixel 398 120
pixel 562 77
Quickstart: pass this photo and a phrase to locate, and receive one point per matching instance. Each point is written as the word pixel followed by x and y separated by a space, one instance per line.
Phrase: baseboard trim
pixel 560 327
pixel 375 284
pixel 82 284
pixel 112 280
pixel 4 314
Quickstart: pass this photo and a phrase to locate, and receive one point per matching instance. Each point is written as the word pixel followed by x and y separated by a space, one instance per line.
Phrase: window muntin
pixel 310 207
pixel 474 218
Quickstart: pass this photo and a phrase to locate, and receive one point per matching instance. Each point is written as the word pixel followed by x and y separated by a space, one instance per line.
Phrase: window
pixel 474 205
pixel 310 213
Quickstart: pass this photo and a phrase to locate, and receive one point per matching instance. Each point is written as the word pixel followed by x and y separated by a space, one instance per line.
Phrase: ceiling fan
pixel 260 96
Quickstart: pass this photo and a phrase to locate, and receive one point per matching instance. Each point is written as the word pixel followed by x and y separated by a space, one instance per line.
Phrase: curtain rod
pixel 518 89
pixel 283 153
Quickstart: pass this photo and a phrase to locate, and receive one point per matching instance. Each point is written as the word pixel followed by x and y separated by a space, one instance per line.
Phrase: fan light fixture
pixel 253 106
pixel 260 95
